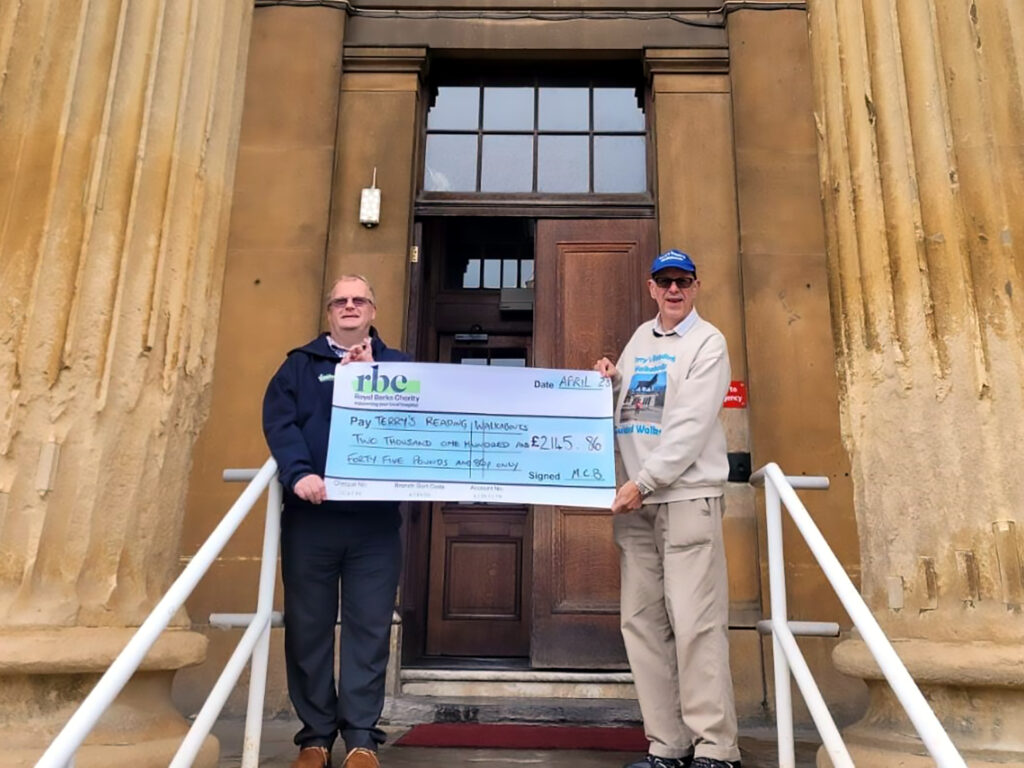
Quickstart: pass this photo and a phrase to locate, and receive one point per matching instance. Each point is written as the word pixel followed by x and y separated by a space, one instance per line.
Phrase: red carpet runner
pixel 482 735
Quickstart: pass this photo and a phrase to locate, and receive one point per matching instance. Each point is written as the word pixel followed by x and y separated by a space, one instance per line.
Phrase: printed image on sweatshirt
pixel 645 398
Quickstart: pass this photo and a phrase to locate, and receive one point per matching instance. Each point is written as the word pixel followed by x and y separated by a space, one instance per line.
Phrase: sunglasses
pixel 666 282
pixel 359 302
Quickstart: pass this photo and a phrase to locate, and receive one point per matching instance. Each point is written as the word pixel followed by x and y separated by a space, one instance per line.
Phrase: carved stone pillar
pixel 118 133
pixel 920 113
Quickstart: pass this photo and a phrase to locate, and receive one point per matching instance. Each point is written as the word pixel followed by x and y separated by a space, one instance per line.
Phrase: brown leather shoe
pixel 312 757
pixel 361 758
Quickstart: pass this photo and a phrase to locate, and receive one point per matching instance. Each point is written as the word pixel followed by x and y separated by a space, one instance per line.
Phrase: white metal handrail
pixel 255 641
pixel 779 491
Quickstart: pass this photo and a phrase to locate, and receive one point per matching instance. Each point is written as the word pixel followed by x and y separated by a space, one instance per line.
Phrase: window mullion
pixel 590 138
pixel 480 149
pixel 536 133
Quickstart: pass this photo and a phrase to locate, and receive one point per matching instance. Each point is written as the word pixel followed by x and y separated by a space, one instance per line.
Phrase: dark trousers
pixel 359 550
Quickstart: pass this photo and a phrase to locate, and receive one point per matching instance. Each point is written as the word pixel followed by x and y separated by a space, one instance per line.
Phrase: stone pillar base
pixel 866 755
pixel 976 689
pixel 144 754
pixel 46 673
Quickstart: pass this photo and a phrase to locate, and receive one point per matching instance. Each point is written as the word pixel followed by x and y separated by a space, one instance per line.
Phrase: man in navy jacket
pixel 327 544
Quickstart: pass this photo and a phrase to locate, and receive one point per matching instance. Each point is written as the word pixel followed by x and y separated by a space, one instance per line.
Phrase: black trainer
pixel 653 761
pixel 710 762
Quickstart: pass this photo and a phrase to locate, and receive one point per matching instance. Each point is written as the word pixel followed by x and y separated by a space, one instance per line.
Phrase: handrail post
pixel 831 739
pixel 62 749
pixel 780 619
pixel 935 738
pixel 264 603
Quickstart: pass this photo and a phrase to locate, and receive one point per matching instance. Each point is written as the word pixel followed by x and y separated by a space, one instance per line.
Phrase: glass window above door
pixel 488 253
pixel 536 139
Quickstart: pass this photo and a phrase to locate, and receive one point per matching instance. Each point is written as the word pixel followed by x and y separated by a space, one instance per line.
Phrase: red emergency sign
pixel 737 396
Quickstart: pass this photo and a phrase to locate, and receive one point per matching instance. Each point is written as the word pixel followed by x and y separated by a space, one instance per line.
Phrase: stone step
pixel 517 683
pixel 411 710
pixel 758 745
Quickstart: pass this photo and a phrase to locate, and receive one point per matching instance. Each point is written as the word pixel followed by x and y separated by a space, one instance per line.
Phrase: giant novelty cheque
pixel 440 432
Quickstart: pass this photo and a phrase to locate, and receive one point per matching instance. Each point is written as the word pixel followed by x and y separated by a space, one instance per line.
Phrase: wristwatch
pixel 645 490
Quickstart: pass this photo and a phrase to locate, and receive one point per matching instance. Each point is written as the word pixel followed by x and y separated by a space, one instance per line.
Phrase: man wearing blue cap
pixel 668 525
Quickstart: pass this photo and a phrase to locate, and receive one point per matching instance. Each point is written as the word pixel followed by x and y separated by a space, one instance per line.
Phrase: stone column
pixel 118 135
pixel 920 114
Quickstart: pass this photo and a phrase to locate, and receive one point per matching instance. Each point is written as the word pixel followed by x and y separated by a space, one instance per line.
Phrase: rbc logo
pixel 381 383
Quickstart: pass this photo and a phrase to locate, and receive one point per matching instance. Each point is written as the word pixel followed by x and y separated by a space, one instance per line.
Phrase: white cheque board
pixel 433 431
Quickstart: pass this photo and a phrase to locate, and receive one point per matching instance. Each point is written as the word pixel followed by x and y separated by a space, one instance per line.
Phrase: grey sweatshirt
pixel 669 392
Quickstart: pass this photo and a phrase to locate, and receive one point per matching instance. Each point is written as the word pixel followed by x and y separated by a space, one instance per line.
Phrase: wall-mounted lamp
pixel 369 204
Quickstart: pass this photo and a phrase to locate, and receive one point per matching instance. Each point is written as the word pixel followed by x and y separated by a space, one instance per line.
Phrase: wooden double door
pixel 542 582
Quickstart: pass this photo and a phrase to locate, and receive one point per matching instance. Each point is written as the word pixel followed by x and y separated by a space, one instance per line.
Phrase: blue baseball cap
pixel 673 258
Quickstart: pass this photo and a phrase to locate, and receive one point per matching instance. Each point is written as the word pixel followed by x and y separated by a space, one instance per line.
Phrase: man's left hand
pixel 627 498
pixel 606 368
pixel 360 353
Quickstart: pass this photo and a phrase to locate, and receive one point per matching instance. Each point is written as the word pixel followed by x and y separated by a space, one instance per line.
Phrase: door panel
pixel 589 299
pixel 480 561
pixel 588 581
pixel 478 605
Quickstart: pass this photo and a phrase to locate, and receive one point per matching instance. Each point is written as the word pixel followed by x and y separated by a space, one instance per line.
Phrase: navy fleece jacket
pixel 297 411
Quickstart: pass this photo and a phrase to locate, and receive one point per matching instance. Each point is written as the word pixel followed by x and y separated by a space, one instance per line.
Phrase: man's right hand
pixel 359 353
pixel 606 368
pixel 311 488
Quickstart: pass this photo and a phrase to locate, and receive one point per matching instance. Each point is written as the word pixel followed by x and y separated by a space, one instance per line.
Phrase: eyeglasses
pixel 359 302
pixel 666 282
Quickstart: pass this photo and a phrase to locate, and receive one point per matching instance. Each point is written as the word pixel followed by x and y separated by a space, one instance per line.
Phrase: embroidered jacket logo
pixel 380 383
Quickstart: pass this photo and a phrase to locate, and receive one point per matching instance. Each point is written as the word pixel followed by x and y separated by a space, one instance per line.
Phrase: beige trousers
pixel 675 619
